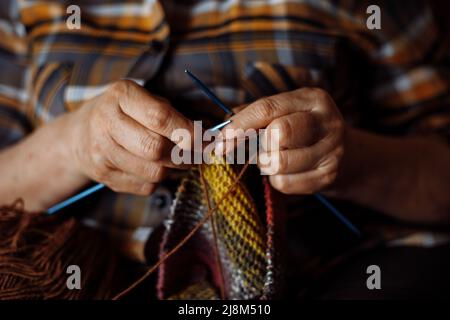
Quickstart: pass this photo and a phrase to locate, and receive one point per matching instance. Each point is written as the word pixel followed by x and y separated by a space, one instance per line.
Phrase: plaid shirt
pixel 393 81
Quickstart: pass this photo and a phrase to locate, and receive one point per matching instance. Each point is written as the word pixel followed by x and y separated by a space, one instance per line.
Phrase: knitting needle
pixel 75 198
pixel 220 125
pixel 208 92
pixel 318 196
pixel 338 214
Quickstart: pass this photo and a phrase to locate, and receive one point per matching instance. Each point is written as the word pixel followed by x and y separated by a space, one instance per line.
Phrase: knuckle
pixel 122 86
pixel 119 116
pixel 146 144
pixel 319 98
pixel 114 122
pixel 319 94
pixel 306 91
pixel 96 154
pixel 116 158
pixel 100 171
pixel 328 178
pixel 284 128
pixel 267 108
pixel 158 174
pixel 159 119
pixel 152 147
pixel 281 161
pixel 158 148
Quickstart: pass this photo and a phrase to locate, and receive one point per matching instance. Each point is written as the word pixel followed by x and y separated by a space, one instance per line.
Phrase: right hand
pixel 122 138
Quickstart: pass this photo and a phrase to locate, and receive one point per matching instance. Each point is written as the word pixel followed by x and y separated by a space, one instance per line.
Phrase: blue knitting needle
pixel 75 198
pixel 318 196
pixel 338 214
pixel 208 92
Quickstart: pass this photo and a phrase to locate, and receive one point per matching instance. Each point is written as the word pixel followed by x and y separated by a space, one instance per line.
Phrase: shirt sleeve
pixel 409 73
pixel 14 122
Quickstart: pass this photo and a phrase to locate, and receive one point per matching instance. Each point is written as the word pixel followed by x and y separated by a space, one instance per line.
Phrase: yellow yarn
pixel 238 222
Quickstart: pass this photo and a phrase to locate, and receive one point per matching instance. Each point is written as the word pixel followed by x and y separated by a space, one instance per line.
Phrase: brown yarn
pixel 35 251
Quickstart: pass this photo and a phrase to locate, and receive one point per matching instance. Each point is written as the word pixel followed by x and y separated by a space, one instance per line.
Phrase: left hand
pixel 311 131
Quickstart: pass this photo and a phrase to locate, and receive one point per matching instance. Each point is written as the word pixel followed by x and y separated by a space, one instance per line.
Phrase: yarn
pixel 35 251
pixel 245 247
pixel 214 233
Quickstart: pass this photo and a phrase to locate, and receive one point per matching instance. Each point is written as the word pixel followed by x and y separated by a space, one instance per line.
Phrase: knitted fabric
pixel 244 239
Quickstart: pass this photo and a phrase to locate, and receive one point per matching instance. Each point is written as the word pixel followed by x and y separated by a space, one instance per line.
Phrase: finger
pixel 299 129
pixel 262 112
pixel 240 107
pixel 224 146
pixel 141 141
pixel 305 183
pixel 153 113
pixel 298 160
pixel 120 159
pixel 123 182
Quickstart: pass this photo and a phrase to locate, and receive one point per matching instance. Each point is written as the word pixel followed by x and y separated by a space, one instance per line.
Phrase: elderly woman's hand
pixel 311 132
pixel 122 138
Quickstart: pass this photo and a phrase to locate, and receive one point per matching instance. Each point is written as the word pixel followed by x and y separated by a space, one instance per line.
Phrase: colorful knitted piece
pixel 244 239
